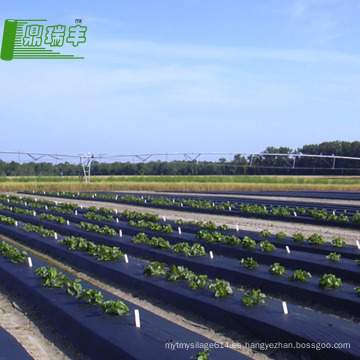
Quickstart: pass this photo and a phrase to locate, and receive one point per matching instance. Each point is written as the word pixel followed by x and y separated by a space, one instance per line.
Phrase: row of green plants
pixel 54 218
pixel 158 242
pixel 11 252
pixel 105 230
pixel 91 215
pixel 246 242
pixel 139 216
pixel 221 288
pixel 56 279
pixel 7 220
pixel 203 225
pixel 327 281
pixel 102 252
pixel 226 205
pixel 61 210
pixel 314 239
pixel 38 229
pixel 151 226
pixel 16 210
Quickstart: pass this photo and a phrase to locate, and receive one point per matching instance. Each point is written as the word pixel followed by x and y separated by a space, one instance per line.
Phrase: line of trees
pixel 239 165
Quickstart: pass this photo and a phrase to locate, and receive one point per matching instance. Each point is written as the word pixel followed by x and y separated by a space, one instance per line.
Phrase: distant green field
pixel 183 183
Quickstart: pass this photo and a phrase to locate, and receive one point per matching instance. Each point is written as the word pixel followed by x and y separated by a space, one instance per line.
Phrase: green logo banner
pixel 32 39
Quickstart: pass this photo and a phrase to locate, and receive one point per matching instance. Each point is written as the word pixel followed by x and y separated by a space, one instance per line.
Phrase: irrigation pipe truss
pixel 86 160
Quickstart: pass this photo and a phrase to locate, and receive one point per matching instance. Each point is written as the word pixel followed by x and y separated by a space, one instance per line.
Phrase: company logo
pixel 32 39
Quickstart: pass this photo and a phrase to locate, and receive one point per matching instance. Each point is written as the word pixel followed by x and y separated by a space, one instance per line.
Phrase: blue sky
pixel 169 76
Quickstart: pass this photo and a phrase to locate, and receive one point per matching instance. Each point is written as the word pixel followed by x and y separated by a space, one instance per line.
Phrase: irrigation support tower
pixel 289 160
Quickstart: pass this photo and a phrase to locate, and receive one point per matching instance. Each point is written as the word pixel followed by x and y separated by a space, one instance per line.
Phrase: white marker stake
pixel 145 201
pixel 179 230
pixel 81 206
pixel 211 255
pixel 229 208
pixel 55 236
pixel 46 207
pixel 117 220
pixel 126 258
pixel 137 318
pixel 29 261
pixel 75 212
pixel 120 233
pixel 67 222
pixel 16 223
pixel 295 214
pixel 287 249
pixel 35 199
pixel 237 227
pixel 116 197
pixel 334 213
pixel 358 244
pixel 55 202
pixel 181 204
pixel 213 204
pixel 164 218
pixel 116 211
pixel 34 213
pixel 285 308
pixel 25 203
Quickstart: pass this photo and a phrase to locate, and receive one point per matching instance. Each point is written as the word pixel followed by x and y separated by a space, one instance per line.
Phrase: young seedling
pixel 298 237
pixel 329 281
pixel 334 256
pixel 265 233
pixel 277 269
pixel 178 273
pixel 300 275
pixel 221 288
pixel 91 296
pixel 155 268
pixel 113 307
pixel 197 281
pixel 338 242
pixel 316 239
pixel 281 235
pixel 248 243
pixel 202 355
pixel 223 227
pixel 52 277
pixel 253 297
pixel 249 263
pixel 267 246
pixel 74 288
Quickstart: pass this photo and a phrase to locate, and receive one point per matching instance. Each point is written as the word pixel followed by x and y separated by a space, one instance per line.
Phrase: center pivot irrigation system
pixel 289 160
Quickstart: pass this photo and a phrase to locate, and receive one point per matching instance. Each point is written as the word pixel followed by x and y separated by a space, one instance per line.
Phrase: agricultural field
pixel 181 183
pixel 259 276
